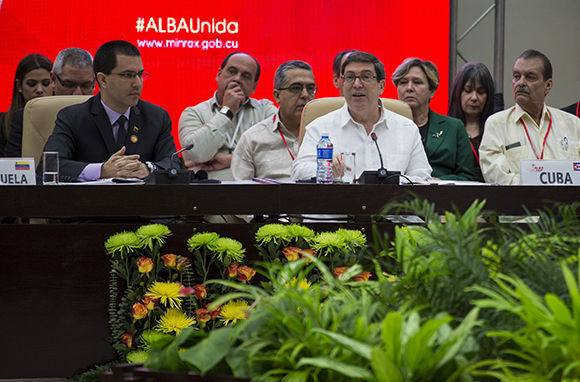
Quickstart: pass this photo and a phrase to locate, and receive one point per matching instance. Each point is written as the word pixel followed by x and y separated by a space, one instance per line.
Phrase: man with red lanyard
pixel 267 149
pixel 530 129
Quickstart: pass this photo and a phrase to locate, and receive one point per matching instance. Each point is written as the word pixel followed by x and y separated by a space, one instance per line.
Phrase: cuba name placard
pixel 550 172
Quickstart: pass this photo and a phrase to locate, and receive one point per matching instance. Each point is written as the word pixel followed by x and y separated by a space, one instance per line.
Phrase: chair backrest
pixel 321 106
pixel 38 121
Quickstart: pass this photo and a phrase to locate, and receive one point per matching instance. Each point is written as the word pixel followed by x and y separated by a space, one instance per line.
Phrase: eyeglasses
pixel 366 78
pixel 297 88
pixel 68 84
pixel 130 75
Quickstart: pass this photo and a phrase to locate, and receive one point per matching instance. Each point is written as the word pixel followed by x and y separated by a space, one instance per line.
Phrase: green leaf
pixel 340 367
pixel 385 370
pixel 391 335
pixel 210 351
pixel 560 311
pixel 357 347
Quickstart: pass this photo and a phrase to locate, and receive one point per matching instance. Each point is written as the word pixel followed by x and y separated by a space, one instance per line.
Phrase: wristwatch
pixel 227 112
pixel 151 166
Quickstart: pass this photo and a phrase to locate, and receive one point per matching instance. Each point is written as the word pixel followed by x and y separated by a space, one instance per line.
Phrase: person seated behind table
pixel 471 101
pixel 445 140
pixel 31 80
pixel 352 127
pixel 115 133
pixel 337 65
pixel 214 126
pixel 72 74
pixel 267 149
pixel 530 129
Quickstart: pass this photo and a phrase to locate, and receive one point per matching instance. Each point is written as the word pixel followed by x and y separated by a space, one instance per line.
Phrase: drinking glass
pixel 50 168
pixel 348 169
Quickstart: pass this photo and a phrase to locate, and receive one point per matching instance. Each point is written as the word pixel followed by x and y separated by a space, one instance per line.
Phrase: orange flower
pixel 363 276
pixel 215 312
pixel 145 265
pixel 291 253
pixel 339 271
pixel 200 291
pixel 150 302
pixel 170 260
pixel 202 315
pixel 310 252
pixel 127 340
pixel 233 269
pixel 245 273
pixel 139 311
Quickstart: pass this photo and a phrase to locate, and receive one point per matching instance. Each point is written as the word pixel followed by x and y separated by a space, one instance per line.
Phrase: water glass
pixel 347 170
pixel 50 168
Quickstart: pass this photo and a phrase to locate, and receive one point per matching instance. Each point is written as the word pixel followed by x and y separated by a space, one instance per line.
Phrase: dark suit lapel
pixel 133 140
pixel 436 134
pixel 102 123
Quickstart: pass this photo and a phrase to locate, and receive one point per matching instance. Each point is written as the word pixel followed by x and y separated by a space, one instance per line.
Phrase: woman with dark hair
pixel 444 139
pixel 32 79
pixel 472 102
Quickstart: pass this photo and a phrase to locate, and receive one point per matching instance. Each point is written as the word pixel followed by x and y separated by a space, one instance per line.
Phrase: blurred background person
pixel 32 79
pixel 337 66
pixel 444 138
pixel 472 102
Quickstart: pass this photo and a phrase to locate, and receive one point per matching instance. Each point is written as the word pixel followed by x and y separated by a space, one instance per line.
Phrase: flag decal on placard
pixel 22 165
pixel 576 166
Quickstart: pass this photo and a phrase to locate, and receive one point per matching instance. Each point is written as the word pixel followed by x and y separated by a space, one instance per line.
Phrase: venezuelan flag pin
pixel 135 129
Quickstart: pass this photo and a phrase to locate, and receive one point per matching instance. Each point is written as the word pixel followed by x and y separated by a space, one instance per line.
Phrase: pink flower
pixel 202 315
pixel 200 291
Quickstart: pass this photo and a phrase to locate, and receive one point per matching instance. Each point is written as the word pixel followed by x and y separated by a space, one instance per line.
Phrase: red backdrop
pixel 184 66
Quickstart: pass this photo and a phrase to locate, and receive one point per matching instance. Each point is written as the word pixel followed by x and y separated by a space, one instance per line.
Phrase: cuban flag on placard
pixel 576 166
pixel 26 165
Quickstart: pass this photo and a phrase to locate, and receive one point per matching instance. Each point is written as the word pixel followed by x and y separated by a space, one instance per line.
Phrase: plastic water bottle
pixel 324 160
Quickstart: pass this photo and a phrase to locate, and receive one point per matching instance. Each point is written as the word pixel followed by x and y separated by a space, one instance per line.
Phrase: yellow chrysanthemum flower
pixel 166 292
pixel 234 311
pixel 174 321
pixel 302 284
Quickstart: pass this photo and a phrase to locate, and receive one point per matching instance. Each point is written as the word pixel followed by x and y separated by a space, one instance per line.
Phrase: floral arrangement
pixel 152 294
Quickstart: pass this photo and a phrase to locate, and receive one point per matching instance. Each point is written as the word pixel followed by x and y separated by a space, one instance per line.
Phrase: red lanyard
pixel 474 151
pixel 577 108
pixel 545 138
pixel 283 139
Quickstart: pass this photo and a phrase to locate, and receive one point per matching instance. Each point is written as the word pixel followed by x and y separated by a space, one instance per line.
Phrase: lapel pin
pixel 135 129
pixel 437 135
pixel 134 139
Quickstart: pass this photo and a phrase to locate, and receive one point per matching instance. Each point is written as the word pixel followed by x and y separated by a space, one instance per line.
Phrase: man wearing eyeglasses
pixel 115 133
pixel 267 149
pixel 352 127
pixel 215 126
pixel 72 74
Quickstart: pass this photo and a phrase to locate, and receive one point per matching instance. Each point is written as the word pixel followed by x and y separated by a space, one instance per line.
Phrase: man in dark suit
pixel 113 134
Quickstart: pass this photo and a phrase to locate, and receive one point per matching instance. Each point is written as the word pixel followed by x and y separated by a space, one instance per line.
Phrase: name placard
pixel 17 171
pixel 550 172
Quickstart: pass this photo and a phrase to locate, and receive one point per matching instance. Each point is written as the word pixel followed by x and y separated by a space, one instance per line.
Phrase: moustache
pixel 522 89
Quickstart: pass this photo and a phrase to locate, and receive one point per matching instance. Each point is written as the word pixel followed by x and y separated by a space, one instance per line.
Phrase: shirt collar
pixel 277 122
pixel 113 115
pixel 345 117
pixel 520 112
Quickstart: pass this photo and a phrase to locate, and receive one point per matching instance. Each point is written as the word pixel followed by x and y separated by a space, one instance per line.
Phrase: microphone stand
pixel 380 176
pixel 173 175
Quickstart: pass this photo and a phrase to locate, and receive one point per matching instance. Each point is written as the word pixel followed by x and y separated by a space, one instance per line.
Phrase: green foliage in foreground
pixel 459 303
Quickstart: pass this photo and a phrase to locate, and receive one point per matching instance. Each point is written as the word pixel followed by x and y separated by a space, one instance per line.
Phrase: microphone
pixel 382 171
pixel 173 172
pixel 380 176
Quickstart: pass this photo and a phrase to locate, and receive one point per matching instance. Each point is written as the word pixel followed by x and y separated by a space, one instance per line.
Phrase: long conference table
pixel 54 276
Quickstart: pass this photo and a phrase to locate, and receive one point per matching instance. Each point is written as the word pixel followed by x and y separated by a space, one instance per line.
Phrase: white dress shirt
pixel 397 136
